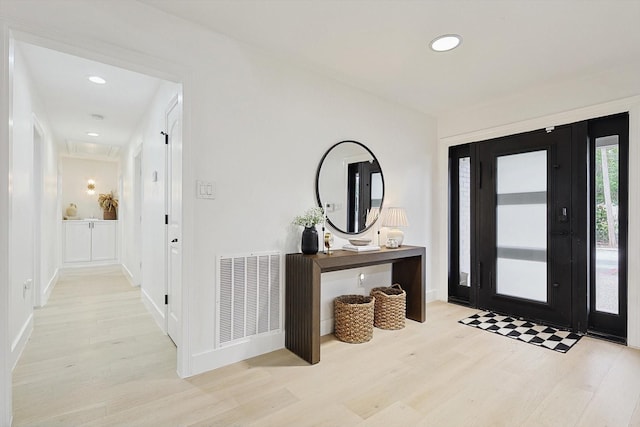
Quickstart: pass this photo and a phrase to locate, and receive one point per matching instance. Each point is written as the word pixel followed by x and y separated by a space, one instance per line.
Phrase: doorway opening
pixel 102 130
pixel 537 225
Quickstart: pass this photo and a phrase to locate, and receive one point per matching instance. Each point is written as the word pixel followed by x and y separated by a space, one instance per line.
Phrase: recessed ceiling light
pixel 97 80
pixel 446 42
pixel 93 134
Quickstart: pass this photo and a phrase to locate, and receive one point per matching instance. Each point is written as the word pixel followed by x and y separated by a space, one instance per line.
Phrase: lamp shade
pixel 395 217
pixel 372 216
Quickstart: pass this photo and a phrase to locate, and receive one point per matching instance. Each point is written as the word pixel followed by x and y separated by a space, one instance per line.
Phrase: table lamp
pixel 394 218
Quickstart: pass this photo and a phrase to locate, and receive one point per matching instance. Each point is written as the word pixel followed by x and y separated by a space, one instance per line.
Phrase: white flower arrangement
pixel 310 218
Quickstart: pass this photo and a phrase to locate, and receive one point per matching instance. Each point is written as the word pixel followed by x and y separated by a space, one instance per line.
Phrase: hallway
pixel 87 351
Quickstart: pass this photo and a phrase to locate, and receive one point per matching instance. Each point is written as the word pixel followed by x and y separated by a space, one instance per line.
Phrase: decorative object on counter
pixel 366 248
pixel 394 218
pixel 390 307
pixel 359 241
pixel 91 187
pixel 109 204
pixel 328 242
pixel 324 224
pixel 72 210
pixel 309 220
pixel 353 315
pixel 392 244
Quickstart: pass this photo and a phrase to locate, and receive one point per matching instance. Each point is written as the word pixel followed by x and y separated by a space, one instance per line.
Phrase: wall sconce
pixel 91 187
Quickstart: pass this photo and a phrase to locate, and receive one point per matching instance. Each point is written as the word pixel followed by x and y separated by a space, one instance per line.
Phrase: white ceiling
pixel 382 45
pixel 70 99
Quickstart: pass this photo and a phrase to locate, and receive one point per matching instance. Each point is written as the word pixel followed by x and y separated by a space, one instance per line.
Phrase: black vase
pixel 309 241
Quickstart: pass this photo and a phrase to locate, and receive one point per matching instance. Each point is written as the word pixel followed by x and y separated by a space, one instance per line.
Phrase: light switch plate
pixel 205 190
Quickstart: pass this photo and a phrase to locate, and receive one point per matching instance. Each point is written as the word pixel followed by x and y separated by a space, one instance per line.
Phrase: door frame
pixel 580 202
pixel 609 326
pixel 456 293
pixel 118 56
pixel 175 103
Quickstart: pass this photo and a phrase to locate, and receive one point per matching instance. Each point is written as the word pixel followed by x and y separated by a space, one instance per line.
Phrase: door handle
pixel 556 285
pixel 174 241
pixel 480 275
pixel 563 217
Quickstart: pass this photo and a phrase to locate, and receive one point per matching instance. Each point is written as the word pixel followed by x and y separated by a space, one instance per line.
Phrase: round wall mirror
pixel 350 187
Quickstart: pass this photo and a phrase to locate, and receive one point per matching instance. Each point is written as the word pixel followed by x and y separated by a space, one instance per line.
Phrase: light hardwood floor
pixel 96 358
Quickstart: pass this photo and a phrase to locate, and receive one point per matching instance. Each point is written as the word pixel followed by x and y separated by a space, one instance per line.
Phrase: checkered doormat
pixel 540 335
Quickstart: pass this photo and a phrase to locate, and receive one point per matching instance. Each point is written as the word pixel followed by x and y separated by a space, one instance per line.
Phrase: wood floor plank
pixel 96 358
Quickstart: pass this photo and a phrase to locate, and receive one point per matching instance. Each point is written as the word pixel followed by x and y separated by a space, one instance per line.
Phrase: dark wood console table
pixel 303 277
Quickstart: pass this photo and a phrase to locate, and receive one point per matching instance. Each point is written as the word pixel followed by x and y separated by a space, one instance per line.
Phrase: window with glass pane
pixel 606 224
pixel 464 212
pixel 521 225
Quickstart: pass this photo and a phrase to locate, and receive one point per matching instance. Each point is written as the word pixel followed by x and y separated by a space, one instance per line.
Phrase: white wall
pixel 21 256
pixel 75 173
pixel 560 103
pixel 27 114
pixel 5 336
pixel 255 126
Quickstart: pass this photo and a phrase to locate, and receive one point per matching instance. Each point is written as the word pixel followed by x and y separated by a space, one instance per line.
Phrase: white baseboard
pixel 254 346
pixel 46 293
pixel 20 341
pixel 158 313
pixel 432 295
pixel 127 273
pixel 326 327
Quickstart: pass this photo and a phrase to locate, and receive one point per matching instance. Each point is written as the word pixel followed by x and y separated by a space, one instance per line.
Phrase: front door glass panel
pixel 606 224
pixel 521 225
pixel 464 220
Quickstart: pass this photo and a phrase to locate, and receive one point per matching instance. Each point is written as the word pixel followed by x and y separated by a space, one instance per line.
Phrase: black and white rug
pixel 540 335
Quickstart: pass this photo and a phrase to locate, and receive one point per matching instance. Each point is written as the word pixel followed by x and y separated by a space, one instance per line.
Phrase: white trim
pixel 571 116
pixel 259 344
pixel 20 341
pixel 432 295
pixel 156 312
pixel 46 292
pixel 5 209
pixel 128 275
pixel 326 326
pixel 633 246
pixel 185 357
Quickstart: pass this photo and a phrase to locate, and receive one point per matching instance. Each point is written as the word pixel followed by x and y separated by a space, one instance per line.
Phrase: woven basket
pixel 354 318
pixel 390 307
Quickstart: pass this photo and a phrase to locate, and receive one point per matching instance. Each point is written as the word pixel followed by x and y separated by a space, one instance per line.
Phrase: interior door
pixel 523 253
pixel 174 212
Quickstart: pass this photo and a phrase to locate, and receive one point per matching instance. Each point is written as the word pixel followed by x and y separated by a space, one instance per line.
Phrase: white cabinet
pixel 89 241
pixel 103 241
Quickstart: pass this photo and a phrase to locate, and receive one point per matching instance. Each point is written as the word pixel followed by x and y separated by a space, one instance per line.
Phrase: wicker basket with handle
pixel 354 318
pixel 390 307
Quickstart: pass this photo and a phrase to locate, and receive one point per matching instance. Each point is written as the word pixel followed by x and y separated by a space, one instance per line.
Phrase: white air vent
pixel 248 296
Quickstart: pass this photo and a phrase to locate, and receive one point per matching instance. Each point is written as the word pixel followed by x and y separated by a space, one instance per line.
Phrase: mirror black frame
pixel 375 159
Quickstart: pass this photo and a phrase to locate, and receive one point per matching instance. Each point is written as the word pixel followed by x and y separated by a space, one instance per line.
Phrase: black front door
pixel 523 221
